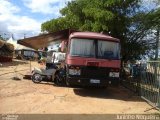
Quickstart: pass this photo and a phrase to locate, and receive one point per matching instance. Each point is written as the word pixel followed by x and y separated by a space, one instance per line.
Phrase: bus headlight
pixel 114 74
pixel 74 72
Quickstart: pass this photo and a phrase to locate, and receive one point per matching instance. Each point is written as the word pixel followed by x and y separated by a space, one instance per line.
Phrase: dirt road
pixel 23 96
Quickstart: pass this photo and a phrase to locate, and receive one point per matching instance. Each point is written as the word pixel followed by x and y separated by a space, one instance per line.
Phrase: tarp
pixel 45 40
pixel 6 49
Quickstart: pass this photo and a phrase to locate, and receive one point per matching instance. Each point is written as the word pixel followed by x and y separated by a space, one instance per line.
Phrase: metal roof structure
pixel 44 40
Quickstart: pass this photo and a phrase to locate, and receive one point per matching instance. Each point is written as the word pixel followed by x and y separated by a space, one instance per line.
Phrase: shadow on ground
pixel 119 93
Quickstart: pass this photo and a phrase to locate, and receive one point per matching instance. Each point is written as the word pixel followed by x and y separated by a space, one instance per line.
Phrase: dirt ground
pixel 24 97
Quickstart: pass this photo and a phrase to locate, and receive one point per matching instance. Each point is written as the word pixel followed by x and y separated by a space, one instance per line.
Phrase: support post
pixel 157 65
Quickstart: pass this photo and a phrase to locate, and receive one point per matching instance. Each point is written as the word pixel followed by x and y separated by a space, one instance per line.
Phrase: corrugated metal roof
pixel 44 40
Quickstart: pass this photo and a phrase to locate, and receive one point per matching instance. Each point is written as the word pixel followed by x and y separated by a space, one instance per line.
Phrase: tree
pixel 147 25
pixel 123 19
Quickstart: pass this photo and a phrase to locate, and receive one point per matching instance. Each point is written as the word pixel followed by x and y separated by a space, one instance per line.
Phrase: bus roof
pixel 93 35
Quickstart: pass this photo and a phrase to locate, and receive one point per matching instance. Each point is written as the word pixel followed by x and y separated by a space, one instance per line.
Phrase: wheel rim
pixel 37 78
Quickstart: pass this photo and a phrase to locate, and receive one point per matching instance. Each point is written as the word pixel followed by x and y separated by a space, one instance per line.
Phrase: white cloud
pixel 11 22
pixel 45 6
pixel 24 23
pixel 7 8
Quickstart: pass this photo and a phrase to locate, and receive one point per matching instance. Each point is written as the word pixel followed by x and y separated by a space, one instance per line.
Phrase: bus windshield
pixel 108 50
pixel 82 47
pixel 94 48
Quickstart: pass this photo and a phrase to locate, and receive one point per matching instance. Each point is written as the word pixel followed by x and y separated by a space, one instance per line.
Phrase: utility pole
pixel 24 35
pixel 156 67
pixel 4 36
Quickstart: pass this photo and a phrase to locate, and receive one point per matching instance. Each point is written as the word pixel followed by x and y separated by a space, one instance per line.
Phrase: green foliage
pixel 123 19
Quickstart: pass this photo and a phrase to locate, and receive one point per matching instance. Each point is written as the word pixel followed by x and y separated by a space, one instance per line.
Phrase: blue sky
pixel 19 17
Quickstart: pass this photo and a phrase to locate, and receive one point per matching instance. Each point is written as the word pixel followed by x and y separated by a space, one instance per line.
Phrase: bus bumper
pixel 91 82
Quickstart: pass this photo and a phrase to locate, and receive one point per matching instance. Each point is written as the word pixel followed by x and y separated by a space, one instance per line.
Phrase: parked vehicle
pixel 26 54
pixel 51 74
pixel 93 59
pixel 40 74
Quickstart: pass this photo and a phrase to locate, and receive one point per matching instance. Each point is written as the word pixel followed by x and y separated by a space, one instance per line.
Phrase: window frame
pixel 96 48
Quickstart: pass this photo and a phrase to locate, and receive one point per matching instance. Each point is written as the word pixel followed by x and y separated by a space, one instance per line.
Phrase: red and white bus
pixel 92 59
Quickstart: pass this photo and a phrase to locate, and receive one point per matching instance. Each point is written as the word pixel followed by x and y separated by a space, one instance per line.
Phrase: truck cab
pixel 92 59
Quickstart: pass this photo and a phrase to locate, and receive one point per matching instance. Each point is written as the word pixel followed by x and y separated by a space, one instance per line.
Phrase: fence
pixel 150 83
pixel 131 78
pixel 144 80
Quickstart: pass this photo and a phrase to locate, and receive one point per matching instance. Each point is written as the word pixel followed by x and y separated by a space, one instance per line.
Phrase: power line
pixel 6 34
pixel 31 32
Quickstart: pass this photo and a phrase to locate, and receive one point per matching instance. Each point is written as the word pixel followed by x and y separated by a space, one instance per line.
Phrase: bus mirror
pixel 65 43
pixel 63 46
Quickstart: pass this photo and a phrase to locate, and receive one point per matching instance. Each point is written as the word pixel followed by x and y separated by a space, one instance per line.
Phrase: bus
pixel 92 59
